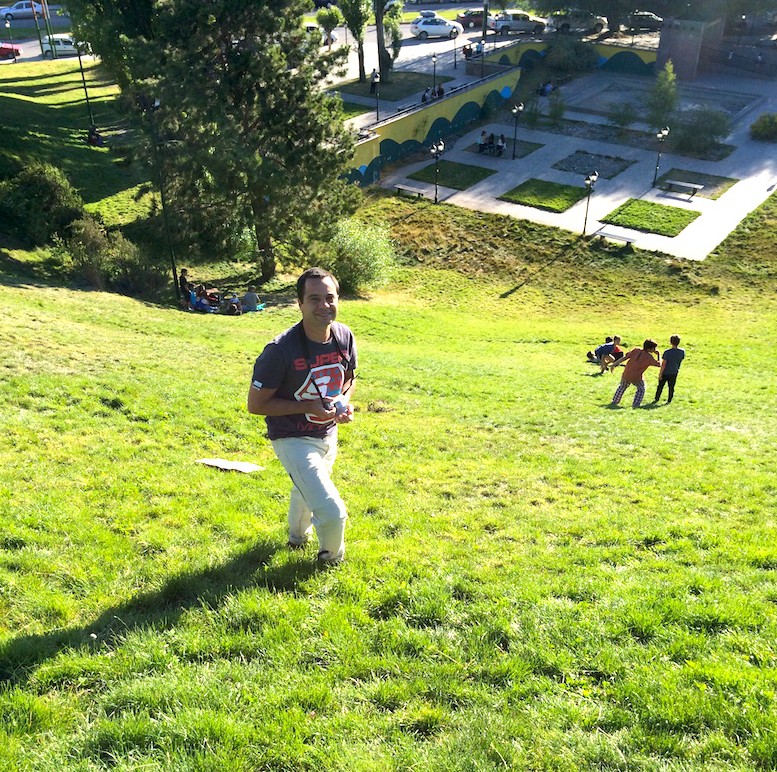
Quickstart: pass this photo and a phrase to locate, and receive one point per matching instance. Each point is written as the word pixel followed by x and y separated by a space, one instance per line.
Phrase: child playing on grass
pixel 670 367
pixel 636 361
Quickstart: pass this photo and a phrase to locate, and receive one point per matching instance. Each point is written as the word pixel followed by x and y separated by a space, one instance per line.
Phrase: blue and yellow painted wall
pixel 407 133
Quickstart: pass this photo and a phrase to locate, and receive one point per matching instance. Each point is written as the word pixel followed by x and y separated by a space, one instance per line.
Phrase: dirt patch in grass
pixel 584 163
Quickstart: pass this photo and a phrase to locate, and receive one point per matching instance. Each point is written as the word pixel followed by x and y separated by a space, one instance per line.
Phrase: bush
pixel 556 107
pixel 701 130
pixel 764 128
pixel 37 203
pixel 568 55
pixel 533 112
pixel 622 115
pixel 107 260
pixel 363 255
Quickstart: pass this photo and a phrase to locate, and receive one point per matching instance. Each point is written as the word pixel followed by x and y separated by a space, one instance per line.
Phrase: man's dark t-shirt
pixel 673 358
pixel 288 365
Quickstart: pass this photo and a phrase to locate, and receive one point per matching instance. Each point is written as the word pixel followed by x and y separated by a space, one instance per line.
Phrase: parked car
pixel 575 20
pixel 644 20
pixel 326 40
pixel 6 52
pixel 62 45
pixel 471 19
pixel 20 10
pixel 435 27
pixel 516 21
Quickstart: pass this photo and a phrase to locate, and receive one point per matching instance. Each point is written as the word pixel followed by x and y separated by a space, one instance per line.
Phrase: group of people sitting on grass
pixel 197 297
pixel 610 355
pixel 489 144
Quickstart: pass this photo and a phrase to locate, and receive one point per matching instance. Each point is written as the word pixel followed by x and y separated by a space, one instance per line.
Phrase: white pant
pixel 314 499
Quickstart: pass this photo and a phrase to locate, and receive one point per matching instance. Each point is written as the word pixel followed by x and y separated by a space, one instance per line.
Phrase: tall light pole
pixel 516 110
pixel 376 81
pixel 434 75
pixel 437 150
pixel 590 181
pixel 83 80
pixel 10 37
pixel 661 137
pixel 454 51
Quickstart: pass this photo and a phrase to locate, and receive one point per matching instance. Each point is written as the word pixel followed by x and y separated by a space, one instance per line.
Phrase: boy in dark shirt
pixel 670 367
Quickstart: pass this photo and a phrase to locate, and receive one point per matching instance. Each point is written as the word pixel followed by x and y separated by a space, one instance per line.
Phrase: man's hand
pixel 319 410
pixel 345 416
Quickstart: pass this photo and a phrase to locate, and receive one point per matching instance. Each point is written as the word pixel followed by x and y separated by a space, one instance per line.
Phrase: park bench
pixel 627 240
pixel 410 190
pixel 691 188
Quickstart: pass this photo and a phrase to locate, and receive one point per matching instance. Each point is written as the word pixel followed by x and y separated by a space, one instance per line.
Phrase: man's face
pixel 319 306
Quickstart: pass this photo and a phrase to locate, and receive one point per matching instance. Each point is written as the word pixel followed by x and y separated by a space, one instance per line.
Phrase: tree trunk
pixel 384 58
pixel 265 253
pixel 362 71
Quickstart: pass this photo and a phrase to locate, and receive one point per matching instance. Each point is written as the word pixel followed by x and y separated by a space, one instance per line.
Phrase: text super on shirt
pixel 284 365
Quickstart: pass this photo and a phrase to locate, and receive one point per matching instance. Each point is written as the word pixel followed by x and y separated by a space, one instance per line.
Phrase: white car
pixel 62 45
pixel 20 10
pixel 314 29
pixel 435 27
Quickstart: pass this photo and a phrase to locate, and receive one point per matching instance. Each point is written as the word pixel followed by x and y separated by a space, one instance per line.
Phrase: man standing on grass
pixel 670 367
pixel 301 384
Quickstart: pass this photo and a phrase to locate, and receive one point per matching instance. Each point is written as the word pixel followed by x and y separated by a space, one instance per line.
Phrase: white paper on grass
pixel 231 466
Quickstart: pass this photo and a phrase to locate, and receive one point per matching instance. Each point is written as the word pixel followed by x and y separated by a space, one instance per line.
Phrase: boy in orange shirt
pixel 636 362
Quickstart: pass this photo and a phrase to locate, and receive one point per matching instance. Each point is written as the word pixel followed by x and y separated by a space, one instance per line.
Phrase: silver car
pixel 435 27
pixel 20 10
pixel 516 21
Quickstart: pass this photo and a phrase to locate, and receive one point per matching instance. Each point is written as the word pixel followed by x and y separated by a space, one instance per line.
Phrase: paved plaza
pixel 752 164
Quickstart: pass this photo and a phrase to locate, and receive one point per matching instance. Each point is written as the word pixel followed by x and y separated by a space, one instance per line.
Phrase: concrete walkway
pixel 753 164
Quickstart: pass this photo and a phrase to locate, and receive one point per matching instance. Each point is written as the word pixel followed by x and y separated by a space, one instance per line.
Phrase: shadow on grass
pixel 568 249
pixel 158 609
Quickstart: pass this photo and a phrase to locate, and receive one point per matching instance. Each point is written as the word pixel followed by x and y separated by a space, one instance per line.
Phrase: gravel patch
pixel 583 163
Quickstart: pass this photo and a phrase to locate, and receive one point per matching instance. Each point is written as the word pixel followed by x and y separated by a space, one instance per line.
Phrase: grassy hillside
pixel 533 580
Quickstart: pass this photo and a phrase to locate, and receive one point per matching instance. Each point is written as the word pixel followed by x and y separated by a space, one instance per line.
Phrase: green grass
pixel 522 148
pixel 714 185
pixel 401 86
pixel 552 196
pixel 532 581
pixel 453 175
pixel 530 577
pixel 651 218
pixel 352 109
pixel 31 93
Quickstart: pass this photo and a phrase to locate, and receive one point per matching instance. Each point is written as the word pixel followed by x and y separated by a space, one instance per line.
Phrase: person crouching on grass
pixel 636 362
pixel 301 385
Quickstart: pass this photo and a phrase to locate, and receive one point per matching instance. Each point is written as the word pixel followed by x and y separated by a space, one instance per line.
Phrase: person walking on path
pixel 301 384
pixel 670 367
pixel 636 361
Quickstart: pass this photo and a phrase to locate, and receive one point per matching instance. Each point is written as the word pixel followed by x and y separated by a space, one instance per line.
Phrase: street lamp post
pixel 590 181
pixel 516 110
pixel 437 150
pixel 434 75
pixel 86 90
pixel 454 52
pixel 10 37
pixel 376 81
pixel 661 137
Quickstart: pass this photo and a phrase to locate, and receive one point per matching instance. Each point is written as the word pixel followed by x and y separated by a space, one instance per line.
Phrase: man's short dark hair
pixel 314 273
pixel 650 345
pixel 675 340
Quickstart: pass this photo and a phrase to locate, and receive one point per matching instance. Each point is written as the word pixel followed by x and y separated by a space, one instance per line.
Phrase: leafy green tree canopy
pixel 231 96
